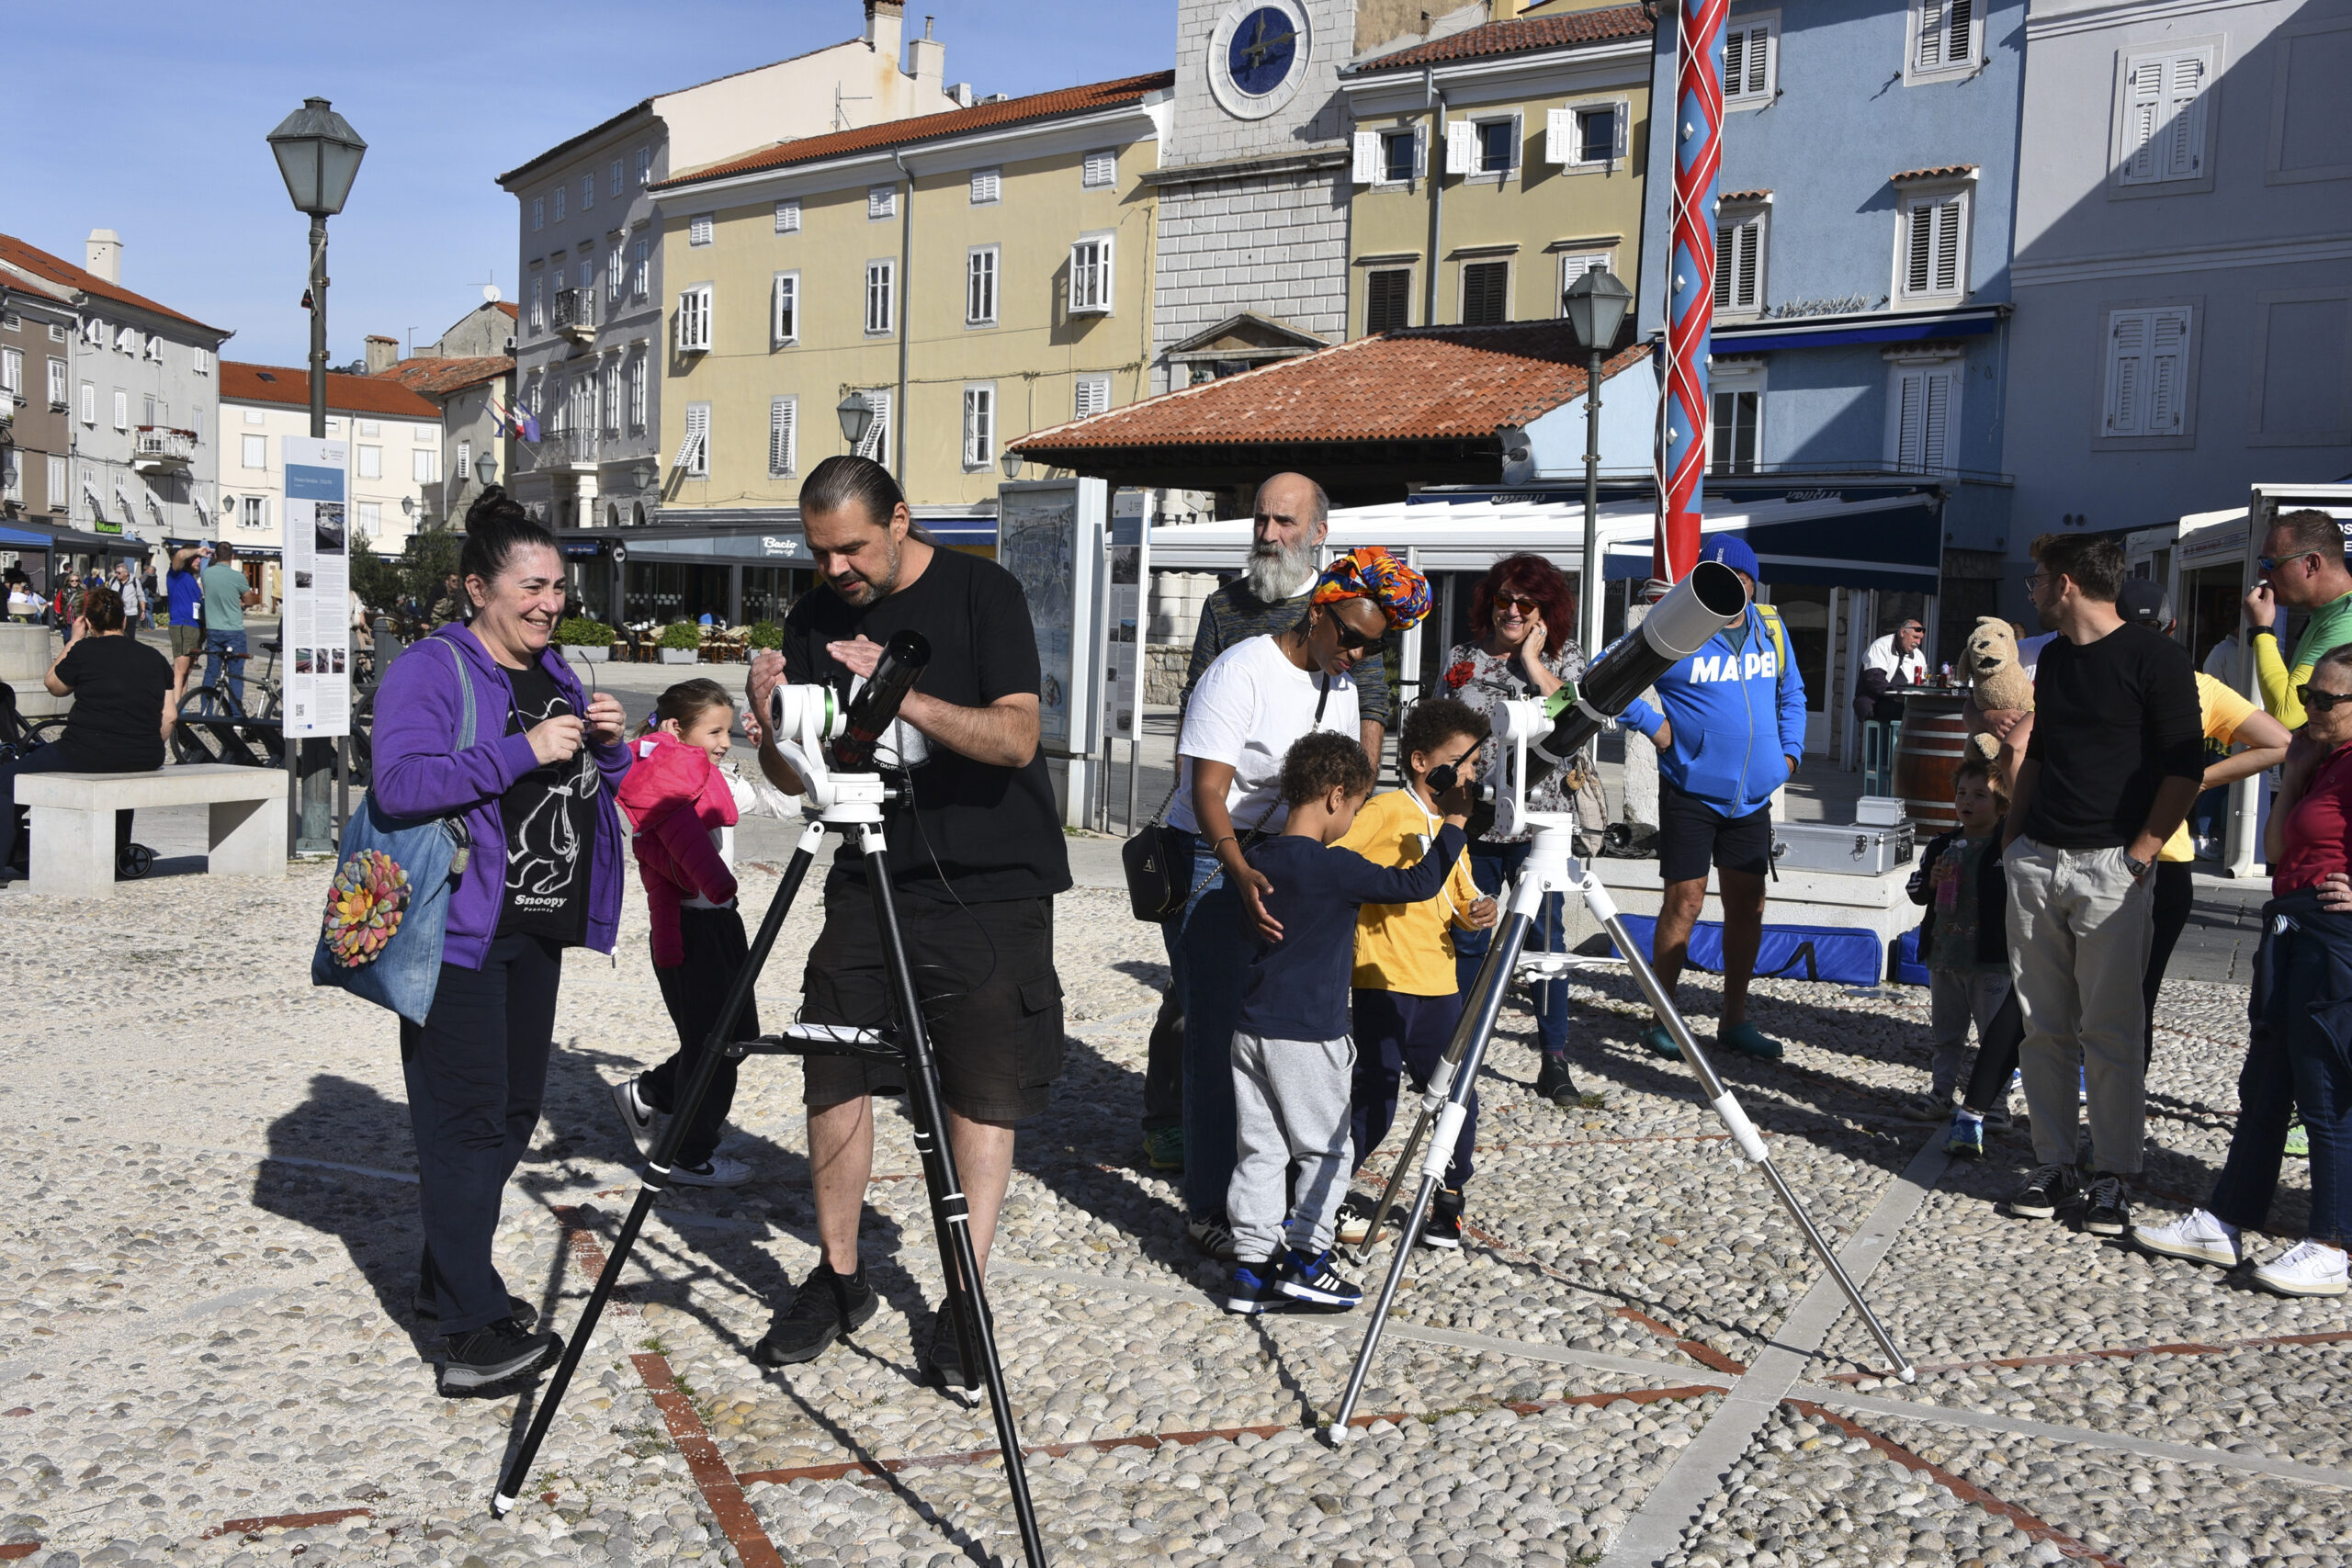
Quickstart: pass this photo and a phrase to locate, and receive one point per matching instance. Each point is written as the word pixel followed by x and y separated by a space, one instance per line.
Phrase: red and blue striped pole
pixel 1698 157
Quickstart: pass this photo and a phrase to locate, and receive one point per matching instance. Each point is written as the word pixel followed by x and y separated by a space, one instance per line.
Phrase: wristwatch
pixel 2139 867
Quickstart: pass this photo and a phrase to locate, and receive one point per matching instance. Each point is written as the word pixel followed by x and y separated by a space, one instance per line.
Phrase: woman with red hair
pixel 1522 624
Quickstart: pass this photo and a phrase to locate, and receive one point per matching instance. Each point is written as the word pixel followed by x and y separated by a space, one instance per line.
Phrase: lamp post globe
pixel 1011 461
pixel 318 154
pixel 1596 305
pixel 645 474
pixel 857 416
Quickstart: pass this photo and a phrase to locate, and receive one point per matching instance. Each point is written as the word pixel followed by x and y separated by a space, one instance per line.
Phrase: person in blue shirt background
pixel 1731 732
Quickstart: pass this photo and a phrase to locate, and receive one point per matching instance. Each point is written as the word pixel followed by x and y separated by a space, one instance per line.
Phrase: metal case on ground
pixel 1847 848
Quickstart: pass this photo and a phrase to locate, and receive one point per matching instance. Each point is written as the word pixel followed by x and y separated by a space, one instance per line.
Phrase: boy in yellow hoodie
pixel 1406 998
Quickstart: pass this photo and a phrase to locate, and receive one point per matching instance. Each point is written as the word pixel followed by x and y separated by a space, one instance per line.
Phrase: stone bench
pixel 73 821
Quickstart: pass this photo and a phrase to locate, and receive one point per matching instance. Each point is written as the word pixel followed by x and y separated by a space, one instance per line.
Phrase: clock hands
pixel 1262 46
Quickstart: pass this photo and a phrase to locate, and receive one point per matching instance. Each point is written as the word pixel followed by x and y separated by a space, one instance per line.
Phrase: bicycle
pixel 262 693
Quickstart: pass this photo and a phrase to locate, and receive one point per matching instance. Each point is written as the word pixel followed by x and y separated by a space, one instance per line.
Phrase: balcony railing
pixel 157 449
pixel 579 447
pixel 575 313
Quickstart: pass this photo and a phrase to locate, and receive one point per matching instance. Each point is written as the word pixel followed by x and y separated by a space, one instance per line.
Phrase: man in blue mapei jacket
pixel 1731 734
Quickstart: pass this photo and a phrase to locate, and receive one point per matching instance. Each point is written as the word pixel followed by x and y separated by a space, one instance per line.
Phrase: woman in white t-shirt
pixel 1248 707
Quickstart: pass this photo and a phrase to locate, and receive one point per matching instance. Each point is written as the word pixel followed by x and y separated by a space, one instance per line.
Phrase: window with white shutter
pixel 786 328
pixel 367 426
pixel 1923 416
pixel 1588 135
pixel 1752 61
pixel 2147 372
pixel 881 309
pixel 425 465
pixel 1739 260
pixel 370 461
pixel 617 183
pixel 701 228
pixel 57 393
pixel 784 433
pixel 538 316
pixel 538 213
pixel 1365 158
pixel 1933 261
pixel 787 215
pixel 1093 397
pixel 616 272
pixel 881 201
pixel 203 361
pixel 2161 126
pixel 612 398
pixel 12 371
pixel 1462 148
pixel 1947 39
pixel 644 166
pixel 877 443
pixel 122 409
pixel 987 186
pixel 641 272
pixel 371 518
pixel 56 497
pixel 559 203
pixel 1099 168
pixel 694 320
pixel 980 426
pixel 257 512
pixel 1089 277
pixel 694 452
pixel 89 404
pixel 587 192
pixel 979 286
pixel 1575 264
pixel 637 393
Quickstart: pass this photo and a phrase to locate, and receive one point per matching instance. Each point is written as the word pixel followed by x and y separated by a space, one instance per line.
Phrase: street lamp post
pixel 856 415
pixel 1596 305
pixel 318 154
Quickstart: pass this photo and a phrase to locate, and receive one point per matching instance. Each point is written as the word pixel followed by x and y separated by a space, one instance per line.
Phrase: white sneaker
pixel 719 1170
pixel 636 1114
pixel 2309 1268
pixel 2199 1237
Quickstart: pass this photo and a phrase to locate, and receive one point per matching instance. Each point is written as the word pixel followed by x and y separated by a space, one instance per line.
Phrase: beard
pixel 860 590
pixel 1276 572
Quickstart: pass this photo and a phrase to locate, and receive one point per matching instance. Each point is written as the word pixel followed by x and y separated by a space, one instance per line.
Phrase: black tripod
pixel 842 801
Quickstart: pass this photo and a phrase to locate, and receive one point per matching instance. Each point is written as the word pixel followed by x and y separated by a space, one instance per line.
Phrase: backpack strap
pixel 1780 638
pixel 465 693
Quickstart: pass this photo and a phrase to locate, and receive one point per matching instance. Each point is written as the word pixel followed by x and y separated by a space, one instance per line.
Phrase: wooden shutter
pixel 1462 148
pixel 2143 99
pixel 1747 61
pixel 1935 424
pixel 1947 268
pixel 695 456
pixel 2167 363
pixel 1093 397
pixel 1738 264
pixel 1366 157
pixel 1485 288
pixel 1387 302
pixel 1559 136
pixel 2184 108
pixel 877 435
pixel 782 415
pixel 978 417
pixel 1911 390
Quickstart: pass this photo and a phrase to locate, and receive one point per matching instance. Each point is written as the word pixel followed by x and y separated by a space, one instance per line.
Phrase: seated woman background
pixel 122 710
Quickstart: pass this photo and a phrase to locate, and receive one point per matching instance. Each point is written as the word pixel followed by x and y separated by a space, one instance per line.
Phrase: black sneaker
pixel 1255 1289
pixel 1553 1082
pixel 944 1363
pixel 484 1360
pixel 825 1308
pixel 1313 1279
pixel 1354 1220
pixel 520 1313
pixel 1442 1225
pixel 2045 1192
pixel 2107 1208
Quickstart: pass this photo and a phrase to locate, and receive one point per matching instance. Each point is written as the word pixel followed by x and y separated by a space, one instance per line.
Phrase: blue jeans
pixel 219 644
pixel 2299 1055
pixel 1210 948
pixel 1492 865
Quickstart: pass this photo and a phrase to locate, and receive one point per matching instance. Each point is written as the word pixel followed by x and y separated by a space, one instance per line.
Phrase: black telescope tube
pixel 876 704
pixel 1677 626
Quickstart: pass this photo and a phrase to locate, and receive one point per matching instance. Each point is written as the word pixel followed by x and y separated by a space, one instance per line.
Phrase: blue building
pixel 1861 320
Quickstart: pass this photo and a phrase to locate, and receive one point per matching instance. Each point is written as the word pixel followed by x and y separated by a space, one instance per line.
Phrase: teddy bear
pixel 2001 693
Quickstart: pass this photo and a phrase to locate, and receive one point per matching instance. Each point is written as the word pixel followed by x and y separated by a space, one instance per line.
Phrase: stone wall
pixel 1163 677
pixel 1272 244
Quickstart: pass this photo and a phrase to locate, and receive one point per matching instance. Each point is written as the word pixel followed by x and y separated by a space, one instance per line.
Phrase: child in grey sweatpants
pixel 1293 1060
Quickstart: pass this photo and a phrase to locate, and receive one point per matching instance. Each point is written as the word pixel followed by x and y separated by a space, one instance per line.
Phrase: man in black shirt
pixel 977 854
pixel 2112 769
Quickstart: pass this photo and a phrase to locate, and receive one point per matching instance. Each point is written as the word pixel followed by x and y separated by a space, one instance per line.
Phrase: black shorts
pixel 1692 835
pixel 992 1004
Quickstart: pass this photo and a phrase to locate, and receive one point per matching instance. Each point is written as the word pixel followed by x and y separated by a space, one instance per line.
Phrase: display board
pixel 315 636
pixel 1130 568
pixel 1049 536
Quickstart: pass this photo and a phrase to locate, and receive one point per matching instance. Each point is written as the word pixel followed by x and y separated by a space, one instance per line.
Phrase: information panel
pixel 1050 535
pixel 1123 619
pixel 315 637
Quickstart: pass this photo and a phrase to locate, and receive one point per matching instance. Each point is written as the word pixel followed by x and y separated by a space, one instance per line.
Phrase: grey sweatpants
pixel 1290 1102
pixel 1956 998
pixel 2079 930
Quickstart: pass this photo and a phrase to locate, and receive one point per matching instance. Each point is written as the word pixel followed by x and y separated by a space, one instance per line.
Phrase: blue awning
pixel 1834 332
pixel 22 538
pixel 961 530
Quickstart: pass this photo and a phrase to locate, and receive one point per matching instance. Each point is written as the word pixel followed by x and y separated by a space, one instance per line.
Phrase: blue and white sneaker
pixel 1314 1279
pixel 1255 1289
pixel 1966 1138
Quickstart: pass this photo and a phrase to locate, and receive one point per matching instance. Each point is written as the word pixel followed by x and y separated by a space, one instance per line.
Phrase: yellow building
pixel 976 274
pixel 1491 166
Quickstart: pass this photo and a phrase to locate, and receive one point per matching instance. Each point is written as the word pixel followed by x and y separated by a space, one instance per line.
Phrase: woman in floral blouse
pixel 1526 620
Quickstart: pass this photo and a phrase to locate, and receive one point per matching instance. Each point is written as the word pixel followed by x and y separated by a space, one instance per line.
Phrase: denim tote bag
pixel 388 908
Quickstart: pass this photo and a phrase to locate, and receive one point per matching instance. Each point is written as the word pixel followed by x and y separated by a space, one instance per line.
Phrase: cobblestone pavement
pixel 207 1354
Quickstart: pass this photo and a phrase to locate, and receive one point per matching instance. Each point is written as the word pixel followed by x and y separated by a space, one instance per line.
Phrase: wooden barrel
pixel 1935 736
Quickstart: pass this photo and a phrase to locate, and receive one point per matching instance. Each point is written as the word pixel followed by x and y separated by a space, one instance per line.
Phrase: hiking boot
pixel 719 1170
pixel 826 1306
pixel 2044 1193
pixel 1256 1288
pixel 1314 1279
pixel 1163 1148
pixel 2308 1268
pixel 1212 1233
pixel 2108 1207
pixel 1442 1227
pixel 2199 1237
pixel 1554 1083
pixel 1965 1140
pixel 485 1360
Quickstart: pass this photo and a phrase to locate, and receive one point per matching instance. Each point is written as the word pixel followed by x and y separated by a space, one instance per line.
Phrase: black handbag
pixel 1158 888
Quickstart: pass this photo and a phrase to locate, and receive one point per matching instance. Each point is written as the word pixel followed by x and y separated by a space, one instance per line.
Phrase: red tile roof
pixel 1515 36
pixel 246 383
pixel 440 377
pixel 1427 384
pixel 1941 171
pixel 40 264
pixel 513 312
pixel 929 126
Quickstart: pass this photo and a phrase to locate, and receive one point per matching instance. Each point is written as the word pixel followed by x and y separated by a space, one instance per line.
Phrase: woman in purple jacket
pixel 534 791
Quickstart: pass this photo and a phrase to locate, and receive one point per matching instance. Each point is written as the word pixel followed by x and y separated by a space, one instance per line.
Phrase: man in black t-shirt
pixel 2115 762
pixel 976 853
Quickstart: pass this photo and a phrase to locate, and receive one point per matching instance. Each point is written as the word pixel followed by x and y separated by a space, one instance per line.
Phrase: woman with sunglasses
pixel 1259 696
pixel 2299 1054
pixel 1523 619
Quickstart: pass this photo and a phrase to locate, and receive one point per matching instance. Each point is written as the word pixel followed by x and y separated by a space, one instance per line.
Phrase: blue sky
pixel 157 116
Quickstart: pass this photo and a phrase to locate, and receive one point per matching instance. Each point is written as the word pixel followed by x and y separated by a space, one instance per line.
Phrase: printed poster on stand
pixel 315 637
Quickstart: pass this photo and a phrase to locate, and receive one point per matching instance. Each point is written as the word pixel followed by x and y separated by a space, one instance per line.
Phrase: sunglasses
pixel 1361 642
pixel 1514 602
pixel 2316 701
pixel 2272 563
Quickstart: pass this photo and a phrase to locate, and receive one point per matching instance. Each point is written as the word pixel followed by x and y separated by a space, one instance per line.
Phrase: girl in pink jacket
pixel 683 804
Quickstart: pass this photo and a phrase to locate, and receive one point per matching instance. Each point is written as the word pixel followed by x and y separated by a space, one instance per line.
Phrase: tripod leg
pixel 951 1215
pixel 1735 1120
pixel 665 1149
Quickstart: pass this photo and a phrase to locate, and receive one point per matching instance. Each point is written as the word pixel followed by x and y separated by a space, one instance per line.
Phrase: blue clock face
pixel 1264 45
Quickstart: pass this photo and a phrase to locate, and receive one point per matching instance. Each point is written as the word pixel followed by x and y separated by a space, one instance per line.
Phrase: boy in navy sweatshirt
pixel 1293 1060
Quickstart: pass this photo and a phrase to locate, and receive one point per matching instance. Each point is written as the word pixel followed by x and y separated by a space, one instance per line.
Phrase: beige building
pixel 1490 167
pixel 976 274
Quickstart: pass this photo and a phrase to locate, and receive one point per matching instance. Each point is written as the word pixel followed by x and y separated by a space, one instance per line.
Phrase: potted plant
pixel 766 633
pixel 584 638
pixel 681 643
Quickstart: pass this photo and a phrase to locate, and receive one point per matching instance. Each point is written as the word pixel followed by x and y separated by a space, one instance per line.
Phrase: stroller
pixel 21 738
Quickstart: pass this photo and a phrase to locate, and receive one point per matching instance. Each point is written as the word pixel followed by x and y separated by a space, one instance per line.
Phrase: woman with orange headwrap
pixel 1259 696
